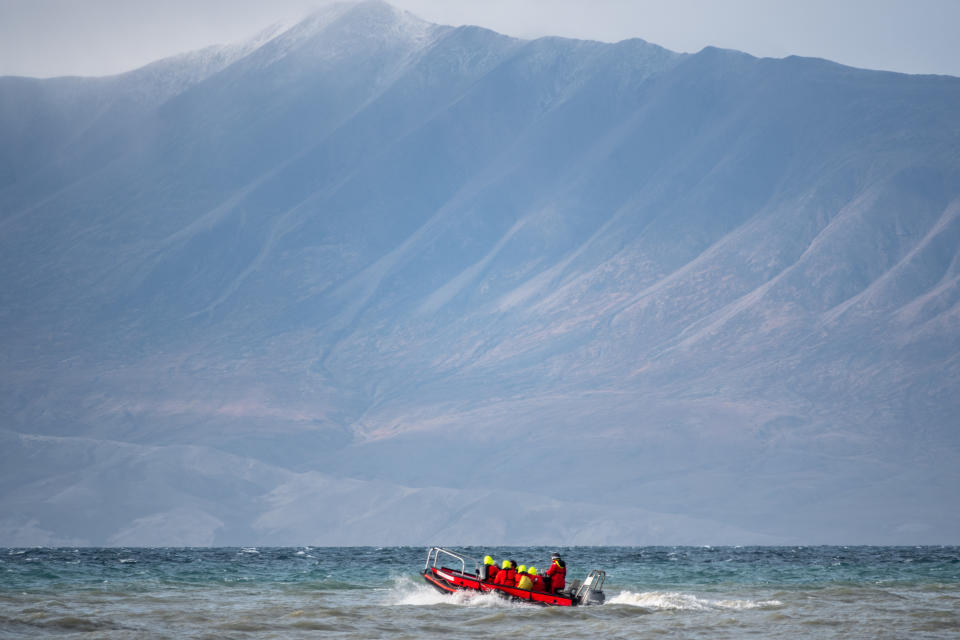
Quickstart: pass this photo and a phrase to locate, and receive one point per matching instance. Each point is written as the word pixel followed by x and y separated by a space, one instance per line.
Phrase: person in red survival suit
pixel 537 580
pixel 523 580
pixel 507 576
pixel 557 573
pixel 490 569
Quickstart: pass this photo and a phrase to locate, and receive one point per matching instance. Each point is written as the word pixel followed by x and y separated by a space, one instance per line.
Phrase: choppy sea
pixel 314 592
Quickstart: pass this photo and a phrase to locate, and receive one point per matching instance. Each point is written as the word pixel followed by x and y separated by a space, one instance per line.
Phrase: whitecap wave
pixel 673 601
pixel 407 592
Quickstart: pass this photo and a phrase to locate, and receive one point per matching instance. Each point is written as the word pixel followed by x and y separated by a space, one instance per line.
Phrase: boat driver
pixel 557 573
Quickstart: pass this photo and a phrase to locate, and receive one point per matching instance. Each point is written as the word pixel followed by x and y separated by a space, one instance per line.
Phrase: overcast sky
pixel 96 37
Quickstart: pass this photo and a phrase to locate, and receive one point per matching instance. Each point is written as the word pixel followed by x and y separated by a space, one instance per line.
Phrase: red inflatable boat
pixel 455 577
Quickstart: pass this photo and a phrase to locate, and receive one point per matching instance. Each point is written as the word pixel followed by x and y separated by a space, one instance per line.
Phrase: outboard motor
pixel 591 591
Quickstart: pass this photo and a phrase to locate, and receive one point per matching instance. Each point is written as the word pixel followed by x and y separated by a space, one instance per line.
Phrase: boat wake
pixel 406 592
pixel 671 601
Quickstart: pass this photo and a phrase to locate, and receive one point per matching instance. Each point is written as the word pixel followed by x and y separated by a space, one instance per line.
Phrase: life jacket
pixel 537 583
pixel 558 575
pixel 507 577
pixel 525 582
pixel 492 571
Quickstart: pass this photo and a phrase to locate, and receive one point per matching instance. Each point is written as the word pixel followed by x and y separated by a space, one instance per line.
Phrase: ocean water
pixel 313 592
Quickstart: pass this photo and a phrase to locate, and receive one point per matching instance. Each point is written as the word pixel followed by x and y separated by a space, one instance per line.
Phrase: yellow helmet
pixel 521 568
pixel 532 571
pixel 487 560
pixel 505 565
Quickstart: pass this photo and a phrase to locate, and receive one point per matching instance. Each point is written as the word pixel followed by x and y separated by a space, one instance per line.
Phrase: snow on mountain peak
pixel 388 22
pixel 338 29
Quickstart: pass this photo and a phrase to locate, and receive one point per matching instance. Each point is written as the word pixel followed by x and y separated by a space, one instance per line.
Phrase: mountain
pixel 371 280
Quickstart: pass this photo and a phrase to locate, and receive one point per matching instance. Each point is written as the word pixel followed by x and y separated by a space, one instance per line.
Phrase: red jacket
pixel 507 577
pixel 537 583
pixel 492 571
pixel 558 576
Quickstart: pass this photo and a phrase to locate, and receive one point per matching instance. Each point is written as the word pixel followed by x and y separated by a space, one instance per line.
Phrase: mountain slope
pixel 711 298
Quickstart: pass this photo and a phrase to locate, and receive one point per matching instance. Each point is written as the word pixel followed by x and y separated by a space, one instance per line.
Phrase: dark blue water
pixel 818 592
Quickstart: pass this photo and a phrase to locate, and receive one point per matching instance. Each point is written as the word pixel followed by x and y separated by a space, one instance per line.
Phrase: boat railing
pixel 433 557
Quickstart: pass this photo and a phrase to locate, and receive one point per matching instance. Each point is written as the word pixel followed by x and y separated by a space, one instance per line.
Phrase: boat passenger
pixel 537 580
pixel 523 579
pixel 507 576
pixel 557 573
pixel 489 570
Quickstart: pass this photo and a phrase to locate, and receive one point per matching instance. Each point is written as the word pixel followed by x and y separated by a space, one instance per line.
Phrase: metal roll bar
pixel 434 555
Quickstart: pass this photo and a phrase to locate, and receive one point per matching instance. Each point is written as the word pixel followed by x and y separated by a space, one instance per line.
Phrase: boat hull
pixel 452 581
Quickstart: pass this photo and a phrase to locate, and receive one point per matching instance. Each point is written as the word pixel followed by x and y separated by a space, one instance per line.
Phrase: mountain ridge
pixel 709 295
